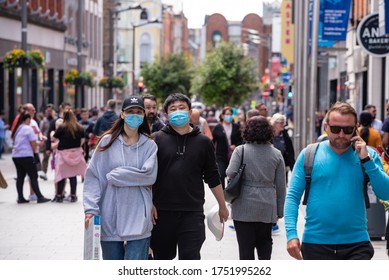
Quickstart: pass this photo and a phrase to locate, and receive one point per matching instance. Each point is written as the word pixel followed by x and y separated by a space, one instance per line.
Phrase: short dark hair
pixel 368 106
pixel 111 104
pixel 252 113
pixel 176 97
pixel 258 130
pixel 149 96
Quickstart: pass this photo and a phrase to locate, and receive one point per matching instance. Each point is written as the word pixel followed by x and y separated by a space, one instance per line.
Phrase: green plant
pixel 87 79
pixel 19 58
pixel 70 76
pixel 114 82
pixel 73 77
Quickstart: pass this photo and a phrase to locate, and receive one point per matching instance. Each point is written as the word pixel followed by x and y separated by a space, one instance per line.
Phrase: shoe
pixel 232 227
pixel 59 198
pixel 43 176
pixel 73 198
pixel 23 200
pixel 32 197
pixel 275 229
pixel 43 200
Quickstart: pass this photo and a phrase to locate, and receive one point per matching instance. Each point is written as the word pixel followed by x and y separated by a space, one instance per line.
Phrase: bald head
pixel 195 117
pixel 29 109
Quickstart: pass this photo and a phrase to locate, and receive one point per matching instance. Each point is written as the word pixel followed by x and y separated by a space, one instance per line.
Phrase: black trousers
pixel 73 186
pixel 24 166
pixel 222 167
pixel 352 251
pixel 185 229
pixel 251 236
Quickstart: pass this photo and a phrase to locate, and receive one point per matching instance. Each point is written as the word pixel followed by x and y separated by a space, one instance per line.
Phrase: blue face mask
pixel 179 118
pixel 228 118
pixel 134 120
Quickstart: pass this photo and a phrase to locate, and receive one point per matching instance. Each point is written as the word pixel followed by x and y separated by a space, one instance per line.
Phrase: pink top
pixel 69 163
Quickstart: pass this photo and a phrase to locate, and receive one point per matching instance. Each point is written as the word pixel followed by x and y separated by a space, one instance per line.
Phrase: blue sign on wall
pixel 334 16
pixel 321 42
pixel 383 11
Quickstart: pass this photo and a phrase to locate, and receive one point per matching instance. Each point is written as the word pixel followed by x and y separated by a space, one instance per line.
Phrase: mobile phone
pixel 353 141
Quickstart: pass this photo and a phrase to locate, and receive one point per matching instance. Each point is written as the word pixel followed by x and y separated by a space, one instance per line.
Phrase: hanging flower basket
pixel 72 77
pixel 114 82
pixel 19 58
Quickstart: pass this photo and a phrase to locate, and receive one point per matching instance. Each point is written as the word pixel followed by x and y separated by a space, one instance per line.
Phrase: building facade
pixel 52 29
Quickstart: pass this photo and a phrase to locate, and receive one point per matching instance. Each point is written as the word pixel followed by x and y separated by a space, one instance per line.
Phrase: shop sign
pixel 369 38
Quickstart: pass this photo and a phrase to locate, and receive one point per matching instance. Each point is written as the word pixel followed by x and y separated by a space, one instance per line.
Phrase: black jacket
pixel 288 155
pixel 220 140
pixel 183 162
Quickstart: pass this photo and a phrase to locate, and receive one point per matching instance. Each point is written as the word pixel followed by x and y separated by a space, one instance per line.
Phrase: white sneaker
pixel 33 197
pixel 42 175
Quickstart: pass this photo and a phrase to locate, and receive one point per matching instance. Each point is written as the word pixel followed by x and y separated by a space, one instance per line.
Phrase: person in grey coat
pixel 261 201
pixel 118 183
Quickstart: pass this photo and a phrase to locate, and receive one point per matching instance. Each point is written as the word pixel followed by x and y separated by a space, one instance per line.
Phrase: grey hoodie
pixel 117 187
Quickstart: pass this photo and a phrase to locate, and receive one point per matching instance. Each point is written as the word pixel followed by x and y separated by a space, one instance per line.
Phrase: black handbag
pixel 232 191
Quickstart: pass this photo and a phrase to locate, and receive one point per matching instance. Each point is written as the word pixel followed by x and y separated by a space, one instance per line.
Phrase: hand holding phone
pixel 353 141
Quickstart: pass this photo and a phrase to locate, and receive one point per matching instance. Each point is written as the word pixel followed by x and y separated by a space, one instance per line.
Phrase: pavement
pixel 54 231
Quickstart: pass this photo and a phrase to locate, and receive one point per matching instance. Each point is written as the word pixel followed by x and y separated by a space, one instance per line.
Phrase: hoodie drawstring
pixel 179 153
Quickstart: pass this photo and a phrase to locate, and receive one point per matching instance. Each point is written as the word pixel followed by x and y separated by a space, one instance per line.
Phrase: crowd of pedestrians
pixel 143 172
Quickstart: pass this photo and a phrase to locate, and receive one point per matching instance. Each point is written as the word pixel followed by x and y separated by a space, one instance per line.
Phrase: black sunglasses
pixel 346 129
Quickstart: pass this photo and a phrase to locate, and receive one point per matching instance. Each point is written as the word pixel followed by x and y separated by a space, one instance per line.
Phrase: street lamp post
pixel 133 49
pixel 25 92
pixel 113 14
pixel 79 97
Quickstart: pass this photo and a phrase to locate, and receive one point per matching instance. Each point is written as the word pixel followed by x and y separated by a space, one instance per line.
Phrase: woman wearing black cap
pixel 118 184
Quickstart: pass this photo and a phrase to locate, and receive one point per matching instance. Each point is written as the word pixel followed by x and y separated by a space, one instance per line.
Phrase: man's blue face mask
pixel 179 118
pixel 134 120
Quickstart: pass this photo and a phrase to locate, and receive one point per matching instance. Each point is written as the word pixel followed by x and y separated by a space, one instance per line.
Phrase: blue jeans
pixel 126 250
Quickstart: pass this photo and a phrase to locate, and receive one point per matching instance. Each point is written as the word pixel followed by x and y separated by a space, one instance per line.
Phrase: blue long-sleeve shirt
pixel 336 212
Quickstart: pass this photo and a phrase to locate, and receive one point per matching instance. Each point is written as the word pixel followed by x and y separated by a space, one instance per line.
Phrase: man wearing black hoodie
pixel 105 122
pixel 185 158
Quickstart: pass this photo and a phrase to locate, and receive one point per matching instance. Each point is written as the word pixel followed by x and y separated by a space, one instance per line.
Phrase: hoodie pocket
pixel 133 217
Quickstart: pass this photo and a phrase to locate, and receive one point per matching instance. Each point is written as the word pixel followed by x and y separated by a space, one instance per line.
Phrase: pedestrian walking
pixel 283 142
pixel 226 137
pixel 3 128
pixel 106 121
pixel 118 183
pixel 185 158
pixel 369 134
pixel 261 201
pixel 69 160
pixel 155 123
pixel 335 222
pixel 25 143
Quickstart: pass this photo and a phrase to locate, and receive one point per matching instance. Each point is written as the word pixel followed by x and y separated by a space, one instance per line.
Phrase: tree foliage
pixel 226 76
pixel 167 76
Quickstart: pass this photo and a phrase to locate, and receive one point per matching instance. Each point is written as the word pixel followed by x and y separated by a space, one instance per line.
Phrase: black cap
pixel 133 101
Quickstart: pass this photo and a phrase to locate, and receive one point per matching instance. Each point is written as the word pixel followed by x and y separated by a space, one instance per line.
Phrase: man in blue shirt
pixel 336 224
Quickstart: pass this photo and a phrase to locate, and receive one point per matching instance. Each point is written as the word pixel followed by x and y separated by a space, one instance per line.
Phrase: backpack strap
pixel 309 157
pixel 366 180
pixel 308 166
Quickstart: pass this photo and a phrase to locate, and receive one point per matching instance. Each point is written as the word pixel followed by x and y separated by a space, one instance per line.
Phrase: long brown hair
pixel 22 117
pixel 70 123
pixel 118 128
